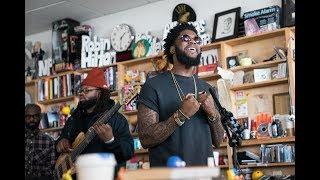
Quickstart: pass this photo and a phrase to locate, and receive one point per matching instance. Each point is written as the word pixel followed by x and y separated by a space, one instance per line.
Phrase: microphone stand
pixel 232 128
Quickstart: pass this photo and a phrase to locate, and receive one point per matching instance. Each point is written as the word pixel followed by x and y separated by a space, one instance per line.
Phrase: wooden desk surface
pixel 173 173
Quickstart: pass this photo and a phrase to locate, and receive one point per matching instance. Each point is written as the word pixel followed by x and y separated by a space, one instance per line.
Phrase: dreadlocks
pixel 172 36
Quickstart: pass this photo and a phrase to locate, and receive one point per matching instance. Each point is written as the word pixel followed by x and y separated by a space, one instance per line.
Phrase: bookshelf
pixel 259 47
pixel 213 76
pixel 52 129
pixel 256 37
pixel 259 84
pixel 223 166
pixel 141 151
pixel 56 75
pixel 85 70
pixel 254 142
pixel 30 83
pixel 135 112
pixel 268 165
pixel 258 65
pixel 57 100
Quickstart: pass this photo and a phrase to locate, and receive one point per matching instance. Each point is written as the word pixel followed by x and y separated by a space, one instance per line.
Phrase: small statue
pixel 37 52
pixel 38 55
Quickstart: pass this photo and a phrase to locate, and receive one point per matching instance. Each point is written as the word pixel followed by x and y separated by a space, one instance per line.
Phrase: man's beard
pixel 183 58
pixel 87 104
pixel 32 126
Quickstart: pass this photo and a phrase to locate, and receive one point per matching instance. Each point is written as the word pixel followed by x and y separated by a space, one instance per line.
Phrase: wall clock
pixel 121 37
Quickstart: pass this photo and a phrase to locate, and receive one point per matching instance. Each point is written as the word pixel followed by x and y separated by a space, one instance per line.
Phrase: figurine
pixel 37 54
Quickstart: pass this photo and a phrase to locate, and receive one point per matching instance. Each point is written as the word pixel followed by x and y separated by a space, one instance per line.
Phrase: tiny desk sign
pixel 93 52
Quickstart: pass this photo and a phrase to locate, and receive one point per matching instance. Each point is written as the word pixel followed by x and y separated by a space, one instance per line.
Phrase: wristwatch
pixel 179 118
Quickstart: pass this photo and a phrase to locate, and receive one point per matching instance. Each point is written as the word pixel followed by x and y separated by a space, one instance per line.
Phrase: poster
pixel 241 104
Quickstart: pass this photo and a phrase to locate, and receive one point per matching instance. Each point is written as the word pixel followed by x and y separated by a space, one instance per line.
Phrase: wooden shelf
pixel 268 165
pixel 139 60
pixel 141 151
pixel 114 93
pixel 52 101
pixel 56 75
pixel 30 83
pixel 253 142
pixel 130 112
pixel 212 76
pixel 259 84
pixel 52 129
pixel 293 29
pixel 256 37
pixel 84 70
pixel 258 65
pixel 223 166
pixel 222 145
pixel 211 46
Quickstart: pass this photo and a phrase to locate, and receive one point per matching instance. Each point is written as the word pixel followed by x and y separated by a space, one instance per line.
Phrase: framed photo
pixel 232 61
pixel 281 52
pixel 281 103
pixel 226 24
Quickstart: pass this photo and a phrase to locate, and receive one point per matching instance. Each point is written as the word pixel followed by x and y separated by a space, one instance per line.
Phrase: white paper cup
pixel 216 158
pixel 95 166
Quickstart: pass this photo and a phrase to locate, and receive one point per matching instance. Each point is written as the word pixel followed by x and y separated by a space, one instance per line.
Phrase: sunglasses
pixel 187 38
pixel 85 91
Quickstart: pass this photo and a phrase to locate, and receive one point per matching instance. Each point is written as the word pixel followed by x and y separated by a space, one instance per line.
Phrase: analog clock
pixel 121 37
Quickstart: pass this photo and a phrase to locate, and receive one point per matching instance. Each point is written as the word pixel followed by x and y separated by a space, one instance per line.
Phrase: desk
pixel 194 173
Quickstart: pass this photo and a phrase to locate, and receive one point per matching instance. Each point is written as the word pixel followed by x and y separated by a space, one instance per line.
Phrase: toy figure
pixel 64 37
pixel 37 54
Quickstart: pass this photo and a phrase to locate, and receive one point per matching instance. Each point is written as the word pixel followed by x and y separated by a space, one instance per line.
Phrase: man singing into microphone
pixel 176 113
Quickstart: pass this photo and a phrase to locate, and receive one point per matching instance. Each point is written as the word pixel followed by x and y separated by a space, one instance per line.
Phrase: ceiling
pixel 39 14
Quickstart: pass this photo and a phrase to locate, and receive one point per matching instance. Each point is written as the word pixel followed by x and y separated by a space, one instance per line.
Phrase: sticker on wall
pixel 183 13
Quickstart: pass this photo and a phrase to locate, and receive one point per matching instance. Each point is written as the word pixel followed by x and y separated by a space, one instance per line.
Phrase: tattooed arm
pixel 152 132
pixel 214 121
pixel 217 131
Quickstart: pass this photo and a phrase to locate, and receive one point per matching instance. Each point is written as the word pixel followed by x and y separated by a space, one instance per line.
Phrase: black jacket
pixel 121 147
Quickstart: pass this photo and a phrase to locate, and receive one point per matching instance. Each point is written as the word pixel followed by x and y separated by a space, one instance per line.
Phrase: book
pixel 262 74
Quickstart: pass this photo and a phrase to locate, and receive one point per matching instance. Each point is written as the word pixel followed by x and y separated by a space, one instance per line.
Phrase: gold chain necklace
pixel 178 88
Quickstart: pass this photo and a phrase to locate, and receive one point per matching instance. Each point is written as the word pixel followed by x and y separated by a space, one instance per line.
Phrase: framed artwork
pixel 226 24
pixel 281 103
pixel 232 61
pixel 288 11
pixel 183 13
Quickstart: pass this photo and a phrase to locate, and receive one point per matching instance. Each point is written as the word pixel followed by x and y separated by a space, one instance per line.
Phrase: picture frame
pixel 232 61
pixel 288 12
pixel 281 103
pixel 226 24
pixel 281 52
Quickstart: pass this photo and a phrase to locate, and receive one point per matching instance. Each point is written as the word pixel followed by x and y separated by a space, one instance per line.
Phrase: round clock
pixel 121 37
pixel 141 48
